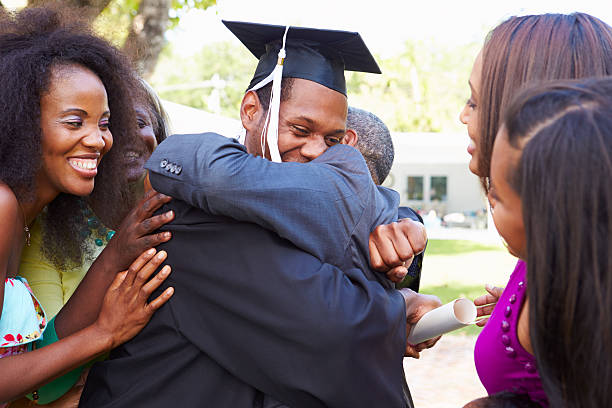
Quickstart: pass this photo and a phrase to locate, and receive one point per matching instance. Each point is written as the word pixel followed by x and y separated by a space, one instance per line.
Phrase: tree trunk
pixel 145 39
pixel 90 8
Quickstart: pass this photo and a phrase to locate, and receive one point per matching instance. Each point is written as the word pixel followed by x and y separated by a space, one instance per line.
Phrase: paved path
pixel 444 376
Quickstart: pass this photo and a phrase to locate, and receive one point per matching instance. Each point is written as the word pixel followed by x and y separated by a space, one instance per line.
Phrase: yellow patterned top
pixel 52 287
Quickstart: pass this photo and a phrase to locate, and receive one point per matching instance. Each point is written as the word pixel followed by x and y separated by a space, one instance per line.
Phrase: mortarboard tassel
pixel 269 134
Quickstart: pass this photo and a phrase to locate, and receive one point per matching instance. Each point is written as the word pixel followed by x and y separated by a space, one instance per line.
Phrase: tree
pixel 142 23
pixel 422 89
pixel 145 38
pixel 90 9
pixel 213 79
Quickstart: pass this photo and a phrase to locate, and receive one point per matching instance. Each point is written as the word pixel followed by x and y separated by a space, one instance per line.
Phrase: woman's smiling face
pixel 469 114
pixel 74 119
pixel 135 159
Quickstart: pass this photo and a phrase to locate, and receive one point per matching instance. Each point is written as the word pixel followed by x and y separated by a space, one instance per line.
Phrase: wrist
pixel 106 262
pixel 101 336
pixel 408 295
pixel 416 304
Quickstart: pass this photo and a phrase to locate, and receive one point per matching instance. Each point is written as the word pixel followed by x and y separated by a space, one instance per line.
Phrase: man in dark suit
pixel 255 320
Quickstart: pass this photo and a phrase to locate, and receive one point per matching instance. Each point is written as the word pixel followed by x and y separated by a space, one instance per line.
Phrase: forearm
pixel 25 372
pixel 84 305
pixel 297 201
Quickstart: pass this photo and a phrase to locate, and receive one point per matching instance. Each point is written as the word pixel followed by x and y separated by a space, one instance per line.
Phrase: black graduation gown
pixel 252 314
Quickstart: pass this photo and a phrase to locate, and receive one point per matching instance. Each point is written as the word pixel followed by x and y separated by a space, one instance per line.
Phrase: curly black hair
pixel 32 43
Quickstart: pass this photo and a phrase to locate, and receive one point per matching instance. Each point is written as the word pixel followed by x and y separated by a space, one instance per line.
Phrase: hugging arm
pixel 125 310
pixel 298 201
pixel 302 331
pixel 135 235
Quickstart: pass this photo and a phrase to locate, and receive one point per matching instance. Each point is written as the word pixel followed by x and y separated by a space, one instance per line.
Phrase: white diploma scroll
pixel 451 316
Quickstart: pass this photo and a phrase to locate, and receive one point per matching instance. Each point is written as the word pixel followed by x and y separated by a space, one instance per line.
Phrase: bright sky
pixel 384 24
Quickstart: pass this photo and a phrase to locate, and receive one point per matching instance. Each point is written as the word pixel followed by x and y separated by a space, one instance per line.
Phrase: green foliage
pixel 233 64
pixel 453 247
pixel 181 6
pixel 114 21
pixel 422 89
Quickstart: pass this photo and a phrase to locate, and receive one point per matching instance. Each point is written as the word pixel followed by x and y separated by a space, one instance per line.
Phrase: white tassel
pixel 269 134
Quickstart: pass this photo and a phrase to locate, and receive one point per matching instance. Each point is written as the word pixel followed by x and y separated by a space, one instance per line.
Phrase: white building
pixel 185 119
pixel 430 171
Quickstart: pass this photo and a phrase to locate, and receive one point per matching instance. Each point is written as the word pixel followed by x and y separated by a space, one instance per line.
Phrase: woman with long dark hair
pixel 552 163
pixel 520 52
pixel 54 284
pixel 60 86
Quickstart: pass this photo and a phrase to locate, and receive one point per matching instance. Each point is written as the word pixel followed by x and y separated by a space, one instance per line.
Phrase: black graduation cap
pixel 318 55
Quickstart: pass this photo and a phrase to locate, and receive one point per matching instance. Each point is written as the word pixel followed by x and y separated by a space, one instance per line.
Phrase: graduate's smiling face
pixel 312 119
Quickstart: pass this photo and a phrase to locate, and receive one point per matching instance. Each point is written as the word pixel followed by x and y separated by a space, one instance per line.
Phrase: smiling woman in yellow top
pixel 54 285
pixel 59 85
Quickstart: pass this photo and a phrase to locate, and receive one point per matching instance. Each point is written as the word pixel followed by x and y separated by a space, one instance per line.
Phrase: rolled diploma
pixel 451 316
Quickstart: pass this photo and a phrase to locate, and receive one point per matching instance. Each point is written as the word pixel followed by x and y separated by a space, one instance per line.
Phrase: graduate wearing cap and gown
pixel 257 320
pixel 327 207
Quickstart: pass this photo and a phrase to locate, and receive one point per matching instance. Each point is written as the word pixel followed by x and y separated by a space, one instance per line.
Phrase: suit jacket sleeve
pixel 298 201
pixel 413 277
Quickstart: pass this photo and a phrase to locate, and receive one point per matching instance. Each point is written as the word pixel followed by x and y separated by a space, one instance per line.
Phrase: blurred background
pixel 425 49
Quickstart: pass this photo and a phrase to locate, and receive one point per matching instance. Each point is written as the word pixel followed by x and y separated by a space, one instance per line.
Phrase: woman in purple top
pixel 552 166
pixel 520 51
pixel 503 364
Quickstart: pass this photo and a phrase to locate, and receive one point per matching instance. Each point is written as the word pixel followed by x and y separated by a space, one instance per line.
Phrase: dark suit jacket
pixel 327 207
pixel 253 315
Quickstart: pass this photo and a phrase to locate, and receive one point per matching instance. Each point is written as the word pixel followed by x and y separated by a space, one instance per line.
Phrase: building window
pixel 415 188
pixel 437 191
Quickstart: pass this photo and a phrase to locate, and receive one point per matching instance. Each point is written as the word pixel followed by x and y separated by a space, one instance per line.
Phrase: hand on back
pixel 135 235
pixel 125 309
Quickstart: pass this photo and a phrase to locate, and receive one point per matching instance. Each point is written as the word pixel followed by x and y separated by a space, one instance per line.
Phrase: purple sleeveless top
pixel 501 362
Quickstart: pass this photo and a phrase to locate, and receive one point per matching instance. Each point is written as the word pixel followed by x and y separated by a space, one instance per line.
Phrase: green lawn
pixel 454 269
pixel 452 291
pixel 453 247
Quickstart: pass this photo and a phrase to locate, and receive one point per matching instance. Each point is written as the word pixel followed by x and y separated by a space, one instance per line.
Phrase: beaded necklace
pixel 26 228
pixel 95 229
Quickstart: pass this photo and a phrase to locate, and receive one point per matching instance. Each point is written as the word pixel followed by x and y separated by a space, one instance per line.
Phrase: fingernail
pixel 151 251
pixel 167 235
pixel 169 214
pixel 161 255
pixel 165 270
pixel 488 286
